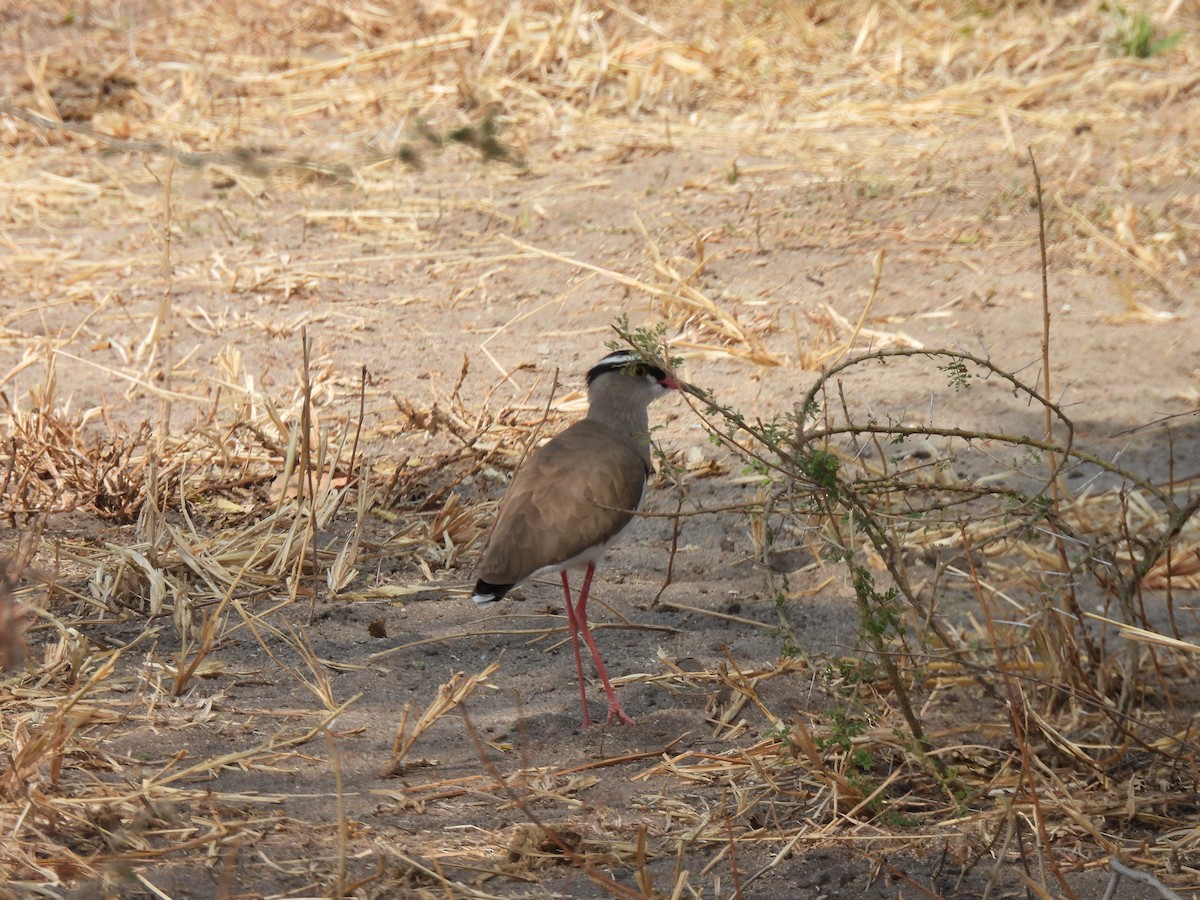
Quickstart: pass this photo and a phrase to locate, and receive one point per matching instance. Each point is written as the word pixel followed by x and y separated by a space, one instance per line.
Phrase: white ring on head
pixel 620 358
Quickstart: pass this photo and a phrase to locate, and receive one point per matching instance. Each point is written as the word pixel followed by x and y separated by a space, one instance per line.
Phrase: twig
pixel 1119 870
pixel 307 478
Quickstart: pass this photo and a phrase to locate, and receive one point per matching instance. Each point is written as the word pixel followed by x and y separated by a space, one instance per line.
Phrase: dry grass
pixel 12 621
pixel 146 149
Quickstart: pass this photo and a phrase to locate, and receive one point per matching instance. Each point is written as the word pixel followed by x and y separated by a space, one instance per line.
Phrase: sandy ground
pixel 495 270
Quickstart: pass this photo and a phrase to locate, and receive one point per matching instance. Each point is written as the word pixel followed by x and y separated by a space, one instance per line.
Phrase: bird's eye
pixel 640 371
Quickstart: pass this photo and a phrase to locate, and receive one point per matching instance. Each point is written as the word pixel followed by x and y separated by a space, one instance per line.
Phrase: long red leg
pixel 573 625
pixel 614 707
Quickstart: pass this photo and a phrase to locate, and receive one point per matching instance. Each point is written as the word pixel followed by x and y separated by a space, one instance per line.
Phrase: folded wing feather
pixel 575 493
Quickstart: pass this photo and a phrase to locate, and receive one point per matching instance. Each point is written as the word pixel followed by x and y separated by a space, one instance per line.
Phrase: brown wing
pixel 574 493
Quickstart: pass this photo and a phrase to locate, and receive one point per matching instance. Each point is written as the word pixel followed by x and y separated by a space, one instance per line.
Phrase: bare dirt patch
pixel 249 666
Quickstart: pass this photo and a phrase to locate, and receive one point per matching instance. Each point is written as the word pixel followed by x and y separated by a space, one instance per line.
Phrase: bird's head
pixel 638 376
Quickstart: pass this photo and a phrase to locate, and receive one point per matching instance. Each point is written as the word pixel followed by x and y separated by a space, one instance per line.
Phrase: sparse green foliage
pixel 1135 34
pixel 845 728
pixel 820 467
pixel 880 611
pixel 650 343
pixel 956 372
pixel 864 517
pixel 848 723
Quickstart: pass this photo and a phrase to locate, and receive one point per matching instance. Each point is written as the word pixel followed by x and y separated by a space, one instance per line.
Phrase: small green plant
pixel 780 731
pixel 879 611
pixel 759 468
pixel 845 726
pixel 895 819
pixel 821 467
pixel 1135 34
pixel 851 671
pixel 649 342
pixel 957 374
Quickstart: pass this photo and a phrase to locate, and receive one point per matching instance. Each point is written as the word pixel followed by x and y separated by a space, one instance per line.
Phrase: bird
pixel 574 496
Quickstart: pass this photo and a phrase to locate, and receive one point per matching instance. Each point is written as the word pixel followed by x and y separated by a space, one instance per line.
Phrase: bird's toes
pixel 622 717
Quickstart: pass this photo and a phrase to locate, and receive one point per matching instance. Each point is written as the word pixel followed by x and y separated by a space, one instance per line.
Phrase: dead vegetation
pixel 226 502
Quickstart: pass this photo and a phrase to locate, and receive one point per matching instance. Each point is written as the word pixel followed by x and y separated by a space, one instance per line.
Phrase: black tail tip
pixel 487 593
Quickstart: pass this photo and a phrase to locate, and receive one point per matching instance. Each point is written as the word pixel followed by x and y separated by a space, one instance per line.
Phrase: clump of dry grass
pixel 263 503
pixel 52 463
pixel 248 510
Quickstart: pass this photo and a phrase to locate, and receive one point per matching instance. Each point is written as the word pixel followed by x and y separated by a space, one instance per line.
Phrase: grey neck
pixel 610 403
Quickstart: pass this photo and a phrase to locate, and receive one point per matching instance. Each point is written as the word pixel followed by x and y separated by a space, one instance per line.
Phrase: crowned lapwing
pixel 572 498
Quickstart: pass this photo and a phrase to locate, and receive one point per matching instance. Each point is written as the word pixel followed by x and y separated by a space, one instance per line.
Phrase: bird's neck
pixel 631 420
